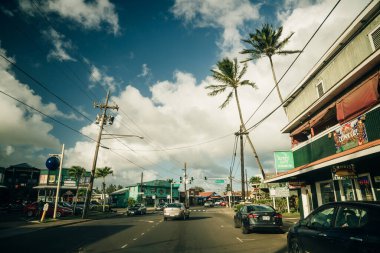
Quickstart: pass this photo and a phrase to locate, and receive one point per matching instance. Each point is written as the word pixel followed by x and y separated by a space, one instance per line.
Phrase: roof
pixel 356 152
pixel 206 194
pixel 121 191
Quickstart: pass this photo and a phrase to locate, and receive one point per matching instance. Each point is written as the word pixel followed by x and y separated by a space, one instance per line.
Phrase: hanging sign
pixel 283 161
pixel 342 172
pixel 350 135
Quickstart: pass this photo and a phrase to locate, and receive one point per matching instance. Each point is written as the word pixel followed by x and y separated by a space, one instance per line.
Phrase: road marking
pixel 221 226
pixel 124 246
pixel 134 239
pixel 239 239
pixel 142 233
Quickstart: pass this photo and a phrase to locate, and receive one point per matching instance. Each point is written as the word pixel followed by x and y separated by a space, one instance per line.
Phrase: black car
pixel 338 227
pixel 136 209
pixel 252 216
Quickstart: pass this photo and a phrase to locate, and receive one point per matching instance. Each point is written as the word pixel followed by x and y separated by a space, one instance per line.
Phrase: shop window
pixel 327 192
pixel 347 189
pixel 365 188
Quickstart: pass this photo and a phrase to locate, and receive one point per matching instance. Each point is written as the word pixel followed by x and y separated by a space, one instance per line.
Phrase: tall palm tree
pixel 229 75
pixel 76 172
pixel 103 172
pixel 266 42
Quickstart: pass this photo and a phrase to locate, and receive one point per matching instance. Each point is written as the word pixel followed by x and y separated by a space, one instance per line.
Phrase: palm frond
pixel 216 91
pixel 247 82
pixel 227 101
pixel 286 52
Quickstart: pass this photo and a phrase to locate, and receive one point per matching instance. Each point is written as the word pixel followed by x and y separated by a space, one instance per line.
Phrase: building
pixel 334 118
pixel 150 193
pixel 48 185
pixel 17 182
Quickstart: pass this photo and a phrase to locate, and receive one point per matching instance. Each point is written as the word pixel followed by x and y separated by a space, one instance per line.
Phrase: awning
pixel 313 121
pixel 359 99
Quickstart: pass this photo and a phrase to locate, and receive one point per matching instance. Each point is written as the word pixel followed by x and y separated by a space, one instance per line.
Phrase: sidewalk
pixel 13 228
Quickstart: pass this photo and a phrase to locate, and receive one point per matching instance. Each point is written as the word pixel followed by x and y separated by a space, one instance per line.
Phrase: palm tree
pixel 76 172
pixel 266 42
pixel 229 75
pixel 103 172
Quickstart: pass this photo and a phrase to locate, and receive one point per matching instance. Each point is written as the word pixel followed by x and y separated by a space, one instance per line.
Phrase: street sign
pixel 219 181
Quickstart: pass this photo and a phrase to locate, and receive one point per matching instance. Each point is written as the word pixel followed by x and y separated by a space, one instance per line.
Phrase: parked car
pixel 136 209
pixel 338 227
pixel 252 216
pixel 223 203
pixel 161 206
pixel 208 204
pixel 176 211
pixel 33 210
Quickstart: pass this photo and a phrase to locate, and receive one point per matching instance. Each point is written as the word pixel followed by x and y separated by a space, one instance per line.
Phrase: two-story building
pixel 48 185
pixel 334 118
pixel 149 193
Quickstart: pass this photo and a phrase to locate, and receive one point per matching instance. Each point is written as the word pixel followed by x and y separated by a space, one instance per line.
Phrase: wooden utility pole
pixel 184 184
pixel 241 133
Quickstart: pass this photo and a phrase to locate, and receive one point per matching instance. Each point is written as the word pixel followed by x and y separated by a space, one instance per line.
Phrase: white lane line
pixel 124 246
pixel 239 239
pixel 142 233
pixel 221 226
pixel 248 239
pixel 134 239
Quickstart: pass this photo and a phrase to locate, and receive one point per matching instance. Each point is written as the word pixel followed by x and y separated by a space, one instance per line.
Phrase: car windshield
pixel 260 208
pixel 174 205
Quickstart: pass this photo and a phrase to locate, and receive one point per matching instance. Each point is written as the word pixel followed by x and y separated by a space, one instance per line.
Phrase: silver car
pixel 176 211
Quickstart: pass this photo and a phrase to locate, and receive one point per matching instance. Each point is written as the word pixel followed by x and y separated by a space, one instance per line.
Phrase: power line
pixel 291 65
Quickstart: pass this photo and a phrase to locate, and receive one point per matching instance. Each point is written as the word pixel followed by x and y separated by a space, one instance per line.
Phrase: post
pixel 287 203
pixel 171 192
pixel 242 164
pixel 141 186
pixel 59 182
pixel 104 107
pixel 246 184
pixel 184 182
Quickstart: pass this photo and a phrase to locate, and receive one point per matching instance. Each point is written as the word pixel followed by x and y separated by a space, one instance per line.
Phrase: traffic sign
pixel 219 181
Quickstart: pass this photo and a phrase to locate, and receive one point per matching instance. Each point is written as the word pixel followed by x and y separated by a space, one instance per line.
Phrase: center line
pixel 239 239
pixel 124 246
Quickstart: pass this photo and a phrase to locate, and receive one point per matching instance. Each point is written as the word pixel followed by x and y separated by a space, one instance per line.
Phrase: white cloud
pixel 145 71
pixel 89 14
pixel 59 52
pixel 23 126
pixel 228 15
pixel 99 77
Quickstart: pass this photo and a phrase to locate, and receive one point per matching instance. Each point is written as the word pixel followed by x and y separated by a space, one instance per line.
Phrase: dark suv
pixel 338 227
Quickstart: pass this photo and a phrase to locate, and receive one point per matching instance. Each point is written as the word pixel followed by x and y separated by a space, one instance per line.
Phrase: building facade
pixel 334 118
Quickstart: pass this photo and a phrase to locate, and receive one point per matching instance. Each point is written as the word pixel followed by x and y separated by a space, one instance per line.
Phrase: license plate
pixel 266 218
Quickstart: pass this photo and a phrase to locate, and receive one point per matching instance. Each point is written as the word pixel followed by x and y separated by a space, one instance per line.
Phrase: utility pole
pixel 246 183
pixel 240 134
pixel 104 118
pixel 184 184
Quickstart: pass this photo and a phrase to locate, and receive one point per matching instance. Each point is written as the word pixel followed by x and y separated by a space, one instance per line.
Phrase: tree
pixel 255 180
pixel 229 76
pixel 77 173
pixel 119 187
pixel 198 188
pixel 103 173
pixel 266 42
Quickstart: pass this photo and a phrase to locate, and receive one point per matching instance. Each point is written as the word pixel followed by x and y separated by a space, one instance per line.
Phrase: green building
pixel 149 193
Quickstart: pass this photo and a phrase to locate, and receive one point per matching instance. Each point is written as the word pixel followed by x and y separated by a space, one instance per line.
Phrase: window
pixel 351 217
pixel 374 38
pixel 320 89
pixel 322 219
pixel 327 192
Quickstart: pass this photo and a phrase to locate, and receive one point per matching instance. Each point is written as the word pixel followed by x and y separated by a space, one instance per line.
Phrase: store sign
pixel 43 179
pixel 69 183
pixel 279 192
pixel 342 172
pixel 283 161
pixel 350 135
pixel 296 184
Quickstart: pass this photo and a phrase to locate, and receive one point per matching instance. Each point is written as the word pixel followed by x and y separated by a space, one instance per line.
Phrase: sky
pixel 58 57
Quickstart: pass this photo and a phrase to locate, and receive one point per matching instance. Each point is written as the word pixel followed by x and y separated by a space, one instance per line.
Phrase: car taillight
pixel 278 215
pixel 252 215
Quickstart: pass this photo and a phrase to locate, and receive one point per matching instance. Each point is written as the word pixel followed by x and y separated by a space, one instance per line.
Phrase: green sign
pixel 176 185
pixel 219 181
pixel 283 161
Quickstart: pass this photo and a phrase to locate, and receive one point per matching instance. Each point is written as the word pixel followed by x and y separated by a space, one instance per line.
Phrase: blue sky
pixel 155 57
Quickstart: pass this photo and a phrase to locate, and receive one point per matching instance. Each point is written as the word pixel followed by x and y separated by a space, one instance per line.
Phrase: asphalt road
pixel 205 231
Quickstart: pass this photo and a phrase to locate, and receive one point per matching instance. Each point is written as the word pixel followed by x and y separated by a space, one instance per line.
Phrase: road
pixel 208 230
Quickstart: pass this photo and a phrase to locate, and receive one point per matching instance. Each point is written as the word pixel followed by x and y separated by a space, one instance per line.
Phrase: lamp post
pixel 59 179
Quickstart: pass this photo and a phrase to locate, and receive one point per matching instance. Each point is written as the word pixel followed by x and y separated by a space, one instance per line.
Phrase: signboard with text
pixel 283 161
pixel 350 135
pixel 279 192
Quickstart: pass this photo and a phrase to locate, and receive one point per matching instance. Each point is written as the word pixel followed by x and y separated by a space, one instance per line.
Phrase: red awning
pixel 359 99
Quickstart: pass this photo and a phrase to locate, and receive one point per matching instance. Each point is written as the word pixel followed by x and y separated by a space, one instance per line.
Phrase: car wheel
pixel 29 213
pixel 236 224
pixel 244 229
pixel 58 214
pixel 295 247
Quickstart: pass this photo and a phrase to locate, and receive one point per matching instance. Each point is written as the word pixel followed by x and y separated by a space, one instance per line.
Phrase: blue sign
pixel 52 163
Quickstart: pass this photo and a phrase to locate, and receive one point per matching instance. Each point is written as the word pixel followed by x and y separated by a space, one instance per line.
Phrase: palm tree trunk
pixel 248 138
pixel 275 80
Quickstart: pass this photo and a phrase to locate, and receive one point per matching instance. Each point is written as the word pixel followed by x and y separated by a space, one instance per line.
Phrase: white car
pixel 175 211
